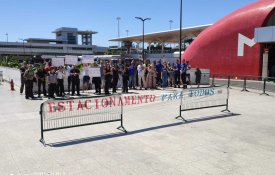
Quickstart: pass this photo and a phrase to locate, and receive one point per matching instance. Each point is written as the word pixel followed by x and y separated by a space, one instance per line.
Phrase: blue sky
pixel 38 18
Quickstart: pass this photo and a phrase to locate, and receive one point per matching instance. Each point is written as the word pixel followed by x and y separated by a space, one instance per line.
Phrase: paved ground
pixel 211 143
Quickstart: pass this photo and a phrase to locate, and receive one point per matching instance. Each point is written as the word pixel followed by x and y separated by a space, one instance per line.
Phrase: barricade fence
pixel 69 113
pixel 202 98
pixel 62 114
pixel 263 84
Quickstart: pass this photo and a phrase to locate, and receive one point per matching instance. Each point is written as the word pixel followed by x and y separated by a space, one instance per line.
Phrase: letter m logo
pixel 242 40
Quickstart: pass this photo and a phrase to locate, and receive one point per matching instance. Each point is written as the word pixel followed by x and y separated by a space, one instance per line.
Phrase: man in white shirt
pixel 86 77
pixel 141 72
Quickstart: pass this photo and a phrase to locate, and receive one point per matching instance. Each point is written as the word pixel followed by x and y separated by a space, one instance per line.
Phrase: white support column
pixel 265 65
pixel 149 46
pixel 162 48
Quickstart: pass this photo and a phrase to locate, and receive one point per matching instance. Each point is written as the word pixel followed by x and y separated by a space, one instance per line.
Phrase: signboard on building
pixel 87 59
pixel 71 60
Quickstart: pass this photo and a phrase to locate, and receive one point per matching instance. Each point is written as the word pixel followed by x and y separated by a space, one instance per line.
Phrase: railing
pixel 264 84
pixel 70 113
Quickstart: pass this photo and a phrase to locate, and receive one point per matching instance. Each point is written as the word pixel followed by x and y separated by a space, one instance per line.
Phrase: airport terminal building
pixel 242 43
pixel 65 43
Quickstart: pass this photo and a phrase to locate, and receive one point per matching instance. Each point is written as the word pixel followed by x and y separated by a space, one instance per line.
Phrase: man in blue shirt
pixel 177 68
pixel 183 70
pixel 159 67
pixel 132 75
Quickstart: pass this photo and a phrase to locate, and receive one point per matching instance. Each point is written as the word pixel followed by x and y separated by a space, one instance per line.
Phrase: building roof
pixel 69 29
pixel 170 36
pixel 37 40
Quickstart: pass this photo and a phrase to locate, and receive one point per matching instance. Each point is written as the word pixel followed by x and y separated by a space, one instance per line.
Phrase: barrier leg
pixel 244 86
pixel 264 93
pixel 121 127
pixel 228 82
pixel 226 108
pixel 180 116
pixel 41 122
pixel 213 81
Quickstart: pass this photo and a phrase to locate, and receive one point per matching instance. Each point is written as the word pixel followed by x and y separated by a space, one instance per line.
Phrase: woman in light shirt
pixel 60 81
pixel 86 77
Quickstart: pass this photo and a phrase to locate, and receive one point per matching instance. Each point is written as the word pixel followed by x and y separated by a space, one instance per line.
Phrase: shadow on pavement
pixel 120 134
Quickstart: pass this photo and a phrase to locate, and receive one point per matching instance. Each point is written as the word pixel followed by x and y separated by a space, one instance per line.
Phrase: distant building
pixel 65 43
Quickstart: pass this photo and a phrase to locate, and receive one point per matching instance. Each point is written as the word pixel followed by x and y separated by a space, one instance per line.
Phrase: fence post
pixel 180 116
pixel 227 101
pixel 244 85
pixel 264 87
pixel 228 82
pixel 213 80
pixel 41 123
pixel 121 127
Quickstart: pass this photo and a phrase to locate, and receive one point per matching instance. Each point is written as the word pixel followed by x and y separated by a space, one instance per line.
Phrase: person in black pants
pixel 28 76
pixel 22 71
pixel 177 68
pixel 60 81
pixel 52 81
pixel 75 81
pixel 125 79
pixel 115 70
pixel 108 78
pixel 69 68
pixel 41 77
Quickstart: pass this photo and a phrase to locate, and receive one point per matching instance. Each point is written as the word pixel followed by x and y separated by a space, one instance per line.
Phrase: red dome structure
pixel 216 48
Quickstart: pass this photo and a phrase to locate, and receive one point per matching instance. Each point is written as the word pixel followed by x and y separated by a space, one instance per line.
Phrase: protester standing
pixel 108 78
pixel 115 73
pixel 69 79
pixel 177 68
pixel 171 75
pixel 198 77
pixel 151 77
pixel 97 82
pixel 75 72
pixel 23 81
pixel 41 75
pixel 164 75
pixel 86 77
pixel 125 79
pixel 60 81
pixel 141 75
pixel 29 76
pixel 52 81
pixel 183 74
pixel 132 75
pixel 188 69
pixel 159 67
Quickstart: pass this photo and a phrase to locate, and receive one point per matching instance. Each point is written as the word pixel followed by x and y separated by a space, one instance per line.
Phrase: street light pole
pixel 180 30
pixel 127 31
pixel 118 29
pixel 143 20
pixel 23 47
pixel 7 35
pixel 170 21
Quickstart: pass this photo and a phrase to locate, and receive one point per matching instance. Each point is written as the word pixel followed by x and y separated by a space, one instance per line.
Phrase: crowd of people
pixel 113 75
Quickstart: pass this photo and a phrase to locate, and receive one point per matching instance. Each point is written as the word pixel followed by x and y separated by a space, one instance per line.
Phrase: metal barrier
pixel 1 77
pixel 62 114
pixel 202 98
pixel 264 84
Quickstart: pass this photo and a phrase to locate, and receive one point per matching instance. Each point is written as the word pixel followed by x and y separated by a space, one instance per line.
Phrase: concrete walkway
pixel 211 143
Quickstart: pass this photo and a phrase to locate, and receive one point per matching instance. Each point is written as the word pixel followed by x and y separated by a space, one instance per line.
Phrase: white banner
pixel 58 62
pixel 94 72
pixel 87 59
pixel 71 60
